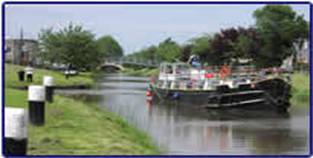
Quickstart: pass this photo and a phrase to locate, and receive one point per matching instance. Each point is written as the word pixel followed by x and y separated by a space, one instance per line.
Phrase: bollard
pixel 36 103
pixel 21 75
pixel 15 132
pixel 48 83
pixel 29 77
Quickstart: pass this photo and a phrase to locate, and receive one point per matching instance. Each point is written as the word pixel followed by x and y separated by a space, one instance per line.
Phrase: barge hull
pixel 269 95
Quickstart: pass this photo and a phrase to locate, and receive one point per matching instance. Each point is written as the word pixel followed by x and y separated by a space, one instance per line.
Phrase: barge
pixel 221 88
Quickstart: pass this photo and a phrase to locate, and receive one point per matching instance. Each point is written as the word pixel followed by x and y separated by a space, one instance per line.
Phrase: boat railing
pixel 209 78
pixel 182 84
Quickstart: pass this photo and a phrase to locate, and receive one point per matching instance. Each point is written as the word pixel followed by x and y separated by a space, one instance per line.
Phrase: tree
pixel 232 43
pixel 222 46
pixel 70 45
pixel 247 44
pixel 145 53
pixel 201 46
pixel 109 47
pixel 168 50
pixel 186 52
pixel 279 28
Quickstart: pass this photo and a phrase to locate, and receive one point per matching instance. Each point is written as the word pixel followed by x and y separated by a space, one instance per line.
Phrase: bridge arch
pixel 111 67
pixel 123 61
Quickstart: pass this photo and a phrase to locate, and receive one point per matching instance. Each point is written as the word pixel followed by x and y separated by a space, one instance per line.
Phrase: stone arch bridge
pixel 117 64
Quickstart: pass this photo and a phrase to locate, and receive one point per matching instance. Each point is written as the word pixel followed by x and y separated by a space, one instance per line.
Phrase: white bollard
pixel 15 131
pixel 36 103
pixel 48 83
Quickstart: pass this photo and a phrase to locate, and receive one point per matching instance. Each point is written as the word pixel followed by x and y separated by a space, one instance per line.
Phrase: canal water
pixel 184 130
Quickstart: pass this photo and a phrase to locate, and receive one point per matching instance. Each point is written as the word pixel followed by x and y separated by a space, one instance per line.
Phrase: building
pixel 21 51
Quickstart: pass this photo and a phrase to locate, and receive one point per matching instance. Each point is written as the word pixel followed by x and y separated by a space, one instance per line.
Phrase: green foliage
pixel 231 43
pixel 201 46
pixel 242 46
pixel 145 53
pixel 300 89
pixel 168 50
pixel 141 72
pixel 70 45
pixel 279 28
pixel 109 47
pixel 186 52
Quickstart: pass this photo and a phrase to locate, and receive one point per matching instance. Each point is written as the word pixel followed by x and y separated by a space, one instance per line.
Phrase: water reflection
pixel 187 130
pixel 191 132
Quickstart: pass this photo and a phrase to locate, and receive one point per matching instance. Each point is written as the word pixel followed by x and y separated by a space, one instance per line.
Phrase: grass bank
pixel 300 89
pixel 11 77
pixel 75 127
pixel 141 72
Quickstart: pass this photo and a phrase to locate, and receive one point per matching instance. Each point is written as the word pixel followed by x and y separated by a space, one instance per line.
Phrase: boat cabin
pixel 184 76
pixel 174 71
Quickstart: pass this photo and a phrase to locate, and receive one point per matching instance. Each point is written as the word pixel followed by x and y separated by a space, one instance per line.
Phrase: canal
pixel 185 130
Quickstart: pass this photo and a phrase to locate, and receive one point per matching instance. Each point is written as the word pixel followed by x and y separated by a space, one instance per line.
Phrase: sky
pixel 134 26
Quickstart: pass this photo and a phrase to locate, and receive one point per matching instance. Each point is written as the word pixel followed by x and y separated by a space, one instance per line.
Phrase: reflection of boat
pixel 195 131
pixel 213 114
pixel 220 88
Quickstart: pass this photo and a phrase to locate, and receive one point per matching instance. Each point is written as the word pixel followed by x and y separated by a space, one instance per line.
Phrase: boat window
pixel 182 69
pixel 168 69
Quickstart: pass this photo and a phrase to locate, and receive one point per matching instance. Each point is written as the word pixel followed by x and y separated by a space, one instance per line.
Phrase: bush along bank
pixel 145 72
pixel 300 89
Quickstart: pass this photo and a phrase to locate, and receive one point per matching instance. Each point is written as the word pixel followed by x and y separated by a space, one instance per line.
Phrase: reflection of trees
pixel 182 129
pixel 218 138
pixel 272 141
